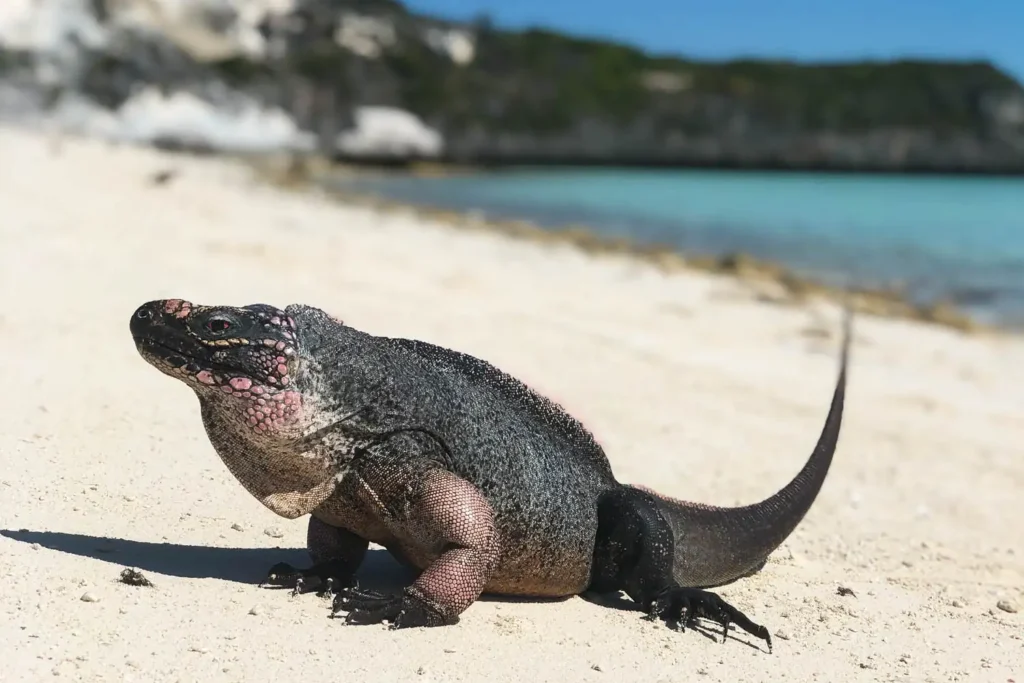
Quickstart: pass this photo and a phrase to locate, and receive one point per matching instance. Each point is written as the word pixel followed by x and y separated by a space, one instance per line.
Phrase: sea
pixel 958 239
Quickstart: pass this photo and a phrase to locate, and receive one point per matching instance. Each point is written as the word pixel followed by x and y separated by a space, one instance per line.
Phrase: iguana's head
pixel 243 359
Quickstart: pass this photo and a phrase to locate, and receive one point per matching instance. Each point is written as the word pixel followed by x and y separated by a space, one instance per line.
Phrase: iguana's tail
pixel 716 545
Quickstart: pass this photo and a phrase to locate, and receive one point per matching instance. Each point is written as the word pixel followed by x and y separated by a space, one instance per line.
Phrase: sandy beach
pixel 693 386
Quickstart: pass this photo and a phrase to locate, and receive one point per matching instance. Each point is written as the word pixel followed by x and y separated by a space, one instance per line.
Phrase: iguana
pixel 461 471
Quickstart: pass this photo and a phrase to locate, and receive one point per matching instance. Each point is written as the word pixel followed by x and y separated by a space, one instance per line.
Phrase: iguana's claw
pixel 317 578
pixel 283 575
pixel 683 606
pixel 401 610
pixel 366 607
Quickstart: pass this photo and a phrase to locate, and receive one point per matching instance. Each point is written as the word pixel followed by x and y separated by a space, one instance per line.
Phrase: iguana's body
pixel 458 469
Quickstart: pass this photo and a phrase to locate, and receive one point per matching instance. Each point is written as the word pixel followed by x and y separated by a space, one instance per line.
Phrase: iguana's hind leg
pixel 336 554
pixel 634 552
pixel 437 515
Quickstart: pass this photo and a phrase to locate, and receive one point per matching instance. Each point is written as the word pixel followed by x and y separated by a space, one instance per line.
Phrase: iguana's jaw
pixel 240 360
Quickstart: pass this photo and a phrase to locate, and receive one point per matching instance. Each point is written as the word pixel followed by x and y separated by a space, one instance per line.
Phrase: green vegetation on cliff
pixel 542 80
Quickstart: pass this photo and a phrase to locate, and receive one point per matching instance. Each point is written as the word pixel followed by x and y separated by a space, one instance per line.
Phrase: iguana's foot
pixel 402 610
pixel 325 578
pixel 681 607
pixel 635 552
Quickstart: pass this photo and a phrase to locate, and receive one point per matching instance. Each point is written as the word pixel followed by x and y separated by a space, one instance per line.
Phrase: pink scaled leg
pixel 444 521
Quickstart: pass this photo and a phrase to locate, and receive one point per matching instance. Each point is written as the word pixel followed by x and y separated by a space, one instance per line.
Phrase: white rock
pixel 366 36
pixel 458 45
pixel 389 130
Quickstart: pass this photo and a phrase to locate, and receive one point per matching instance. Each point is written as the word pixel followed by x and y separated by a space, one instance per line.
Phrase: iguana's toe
pixel 320 578
pixel 281 575
pixel 365 606
pixel 683 606
pixel 402 610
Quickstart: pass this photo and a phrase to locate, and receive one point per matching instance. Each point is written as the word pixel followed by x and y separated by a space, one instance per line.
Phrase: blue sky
pixel 799 29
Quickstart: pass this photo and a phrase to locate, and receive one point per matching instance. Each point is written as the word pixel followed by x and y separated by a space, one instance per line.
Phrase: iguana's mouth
pixel 182 360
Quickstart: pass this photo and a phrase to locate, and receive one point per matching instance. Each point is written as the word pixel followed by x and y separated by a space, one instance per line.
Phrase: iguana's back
pixel 549 422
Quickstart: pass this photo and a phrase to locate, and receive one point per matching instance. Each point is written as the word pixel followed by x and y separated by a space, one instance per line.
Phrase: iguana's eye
pixel 218 325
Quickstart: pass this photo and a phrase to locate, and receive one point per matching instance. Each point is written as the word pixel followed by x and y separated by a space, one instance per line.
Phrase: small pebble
pixel 90 597
pixel 273 532
pixel 237 527
pixel 782 635
pixel 596 667
pixel 67 666
pixel 957 603
pixel 1007 606
pixel 256 610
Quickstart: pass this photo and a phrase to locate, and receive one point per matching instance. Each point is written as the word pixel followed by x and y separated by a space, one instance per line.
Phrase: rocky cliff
pixel 369 78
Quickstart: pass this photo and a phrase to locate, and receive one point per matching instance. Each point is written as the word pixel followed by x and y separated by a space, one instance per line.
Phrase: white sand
pixel 692 386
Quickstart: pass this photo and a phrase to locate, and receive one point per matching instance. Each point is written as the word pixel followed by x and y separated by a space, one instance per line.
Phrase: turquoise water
pixel 942 237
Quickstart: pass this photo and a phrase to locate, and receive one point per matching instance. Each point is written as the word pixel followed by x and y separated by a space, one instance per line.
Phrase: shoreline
pixel 772 281
pixel 494 163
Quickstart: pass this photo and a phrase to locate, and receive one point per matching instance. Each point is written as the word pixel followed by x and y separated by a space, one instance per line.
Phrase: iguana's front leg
pixel 336 554
pixel 432 509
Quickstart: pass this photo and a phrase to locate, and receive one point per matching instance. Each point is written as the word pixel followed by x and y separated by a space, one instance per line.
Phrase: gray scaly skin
pixel 459 470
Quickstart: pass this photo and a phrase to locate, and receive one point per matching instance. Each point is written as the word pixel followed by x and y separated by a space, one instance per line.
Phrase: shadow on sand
pixel 243 565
